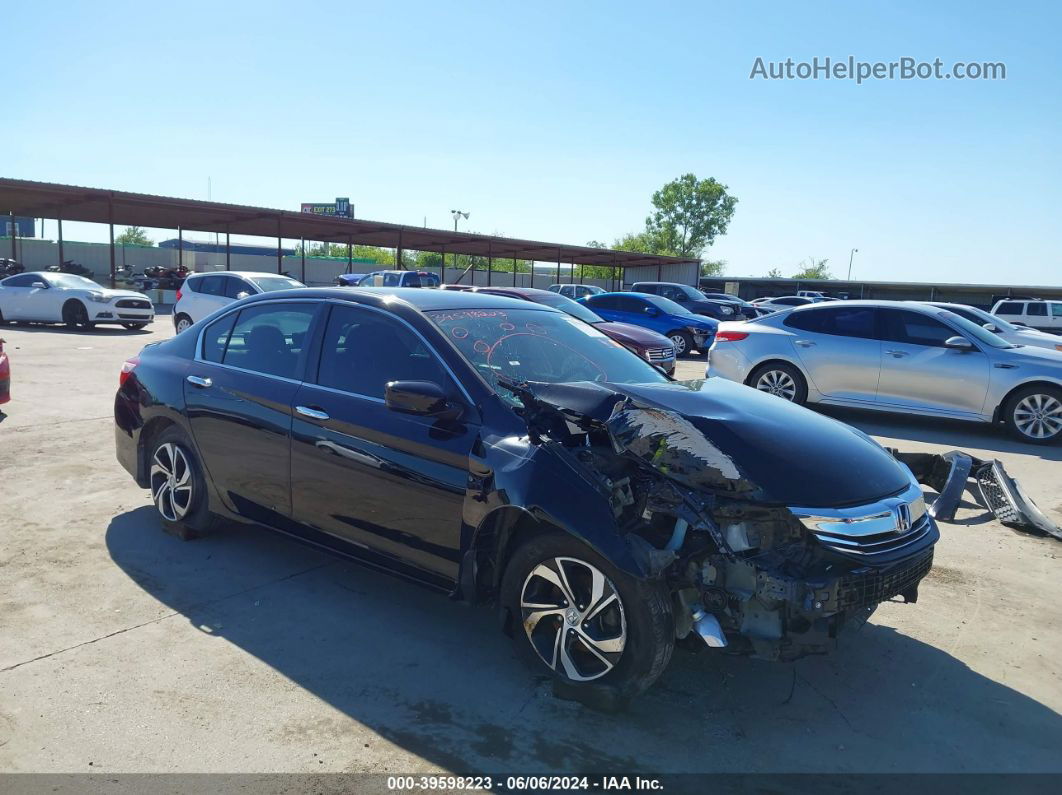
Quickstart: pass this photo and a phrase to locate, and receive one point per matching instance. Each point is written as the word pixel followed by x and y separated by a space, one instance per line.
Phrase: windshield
pixel 537 345
pixel 71 281
pixel 568 306
pixel 980 316
pixel 977 331
pixel 666 305
pixel 268 284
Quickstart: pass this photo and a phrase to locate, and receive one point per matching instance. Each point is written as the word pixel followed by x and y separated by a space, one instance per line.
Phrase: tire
pixel 134 326
pixel 178 488
pixel 623 647
pixel 181 322
pixel 1033 414
pixel 683 342
pixel 76 316
pixel 781 379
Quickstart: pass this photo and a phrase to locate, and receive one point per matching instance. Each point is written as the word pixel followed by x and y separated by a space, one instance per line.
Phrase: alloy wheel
pixel 573 617
pixel 680 344
pixel 183 324
pixel 777 382
pixel 171 482
pixel 1039 416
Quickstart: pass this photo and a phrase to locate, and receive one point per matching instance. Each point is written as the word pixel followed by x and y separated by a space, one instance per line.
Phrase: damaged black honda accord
pixel 509 454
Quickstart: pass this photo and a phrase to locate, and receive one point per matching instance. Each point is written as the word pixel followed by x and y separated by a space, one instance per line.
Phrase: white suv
pixel 203 293
pixel 1035 313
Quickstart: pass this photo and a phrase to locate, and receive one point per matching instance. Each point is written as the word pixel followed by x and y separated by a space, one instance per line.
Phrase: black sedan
pixel 504 452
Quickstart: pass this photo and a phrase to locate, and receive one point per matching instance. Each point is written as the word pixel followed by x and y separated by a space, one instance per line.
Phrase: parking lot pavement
pixel 124 649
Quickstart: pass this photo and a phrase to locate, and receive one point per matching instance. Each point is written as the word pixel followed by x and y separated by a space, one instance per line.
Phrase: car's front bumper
pixel 109 313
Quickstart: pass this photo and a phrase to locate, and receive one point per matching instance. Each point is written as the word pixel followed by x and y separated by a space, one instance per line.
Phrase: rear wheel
pixel 583 622
pixel 178 488
pixel 683 342
pixel 1034 414
pixel 782 380
pixel 182 322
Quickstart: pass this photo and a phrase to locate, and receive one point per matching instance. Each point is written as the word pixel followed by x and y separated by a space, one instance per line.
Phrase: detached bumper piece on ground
pixel 950 474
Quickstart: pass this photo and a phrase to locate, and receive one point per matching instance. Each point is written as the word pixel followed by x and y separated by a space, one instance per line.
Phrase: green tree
pixel 134 236
pixel 775 273
pixel 813 269
pixel 710 267
pixel 688 215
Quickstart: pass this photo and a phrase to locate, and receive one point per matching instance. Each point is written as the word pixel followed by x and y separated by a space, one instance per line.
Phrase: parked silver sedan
pixel 911 358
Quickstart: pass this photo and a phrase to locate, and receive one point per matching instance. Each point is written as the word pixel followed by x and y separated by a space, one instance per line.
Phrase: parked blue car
pixel 687 331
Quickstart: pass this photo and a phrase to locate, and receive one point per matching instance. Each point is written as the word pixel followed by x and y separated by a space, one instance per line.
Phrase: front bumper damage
pixel 952 473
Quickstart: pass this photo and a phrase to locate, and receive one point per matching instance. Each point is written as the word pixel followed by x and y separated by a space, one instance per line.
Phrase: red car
pixel 654 348
pixel 5 375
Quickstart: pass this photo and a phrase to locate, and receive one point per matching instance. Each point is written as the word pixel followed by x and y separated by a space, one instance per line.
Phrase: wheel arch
pixel 152 429
pixel 775 359
pixel 997 414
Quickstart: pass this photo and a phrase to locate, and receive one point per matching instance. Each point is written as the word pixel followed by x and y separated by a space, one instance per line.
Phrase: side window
pixel 629 304
pixel 674 294
pixel 604 302
pixel 234 285
pixel 1011 308
pixel 916 329
pixel 22 280
pixel 1056 309
pixel 212 285
pixel 363 350
pixel 1037 310
pixel 270 338
pixel 192 285
pixel 391 279
pixel 216 338
pixel 852 321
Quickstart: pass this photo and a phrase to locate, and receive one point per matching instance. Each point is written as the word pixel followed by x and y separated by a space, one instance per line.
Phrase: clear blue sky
pixel 557 121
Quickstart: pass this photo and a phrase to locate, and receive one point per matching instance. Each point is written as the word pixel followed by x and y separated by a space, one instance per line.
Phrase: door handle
pixel 803 343
pixel 1005 365
pixel 199 381
pixel 897 354
pixel 314 414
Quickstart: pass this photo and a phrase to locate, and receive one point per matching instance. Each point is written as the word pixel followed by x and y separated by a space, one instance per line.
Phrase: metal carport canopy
pixel 97 205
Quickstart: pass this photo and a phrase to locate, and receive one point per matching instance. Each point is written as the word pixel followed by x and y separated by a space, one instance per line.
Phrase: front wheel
pixel 578 619
pixel 76 316
pixel 780 379
pixel 1034 414
pixel 683 342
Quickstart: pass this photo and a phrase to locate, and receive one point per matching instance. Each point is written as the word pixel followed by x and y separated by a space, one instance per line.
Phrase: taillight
pixel 730 336
pixel 178 294
pixel 127 369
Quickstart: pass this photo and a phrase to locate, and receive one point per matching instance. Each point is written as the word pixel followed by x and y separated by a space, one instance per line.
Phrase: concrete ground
pixel 123 649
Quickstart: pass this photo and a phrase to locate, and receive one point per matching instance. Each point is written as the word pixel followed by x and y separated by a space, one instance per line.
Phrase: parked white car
pixel 203 293
pixel 1035 313
pixel 782 302
pixel 47 297
pixel 1016 335
pixel 576 291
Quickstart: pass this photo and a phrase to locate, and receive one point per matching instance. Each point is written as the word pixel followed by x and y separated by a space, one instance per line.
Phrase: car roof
pixel 423 299
pixel 924 307
pixel 250 274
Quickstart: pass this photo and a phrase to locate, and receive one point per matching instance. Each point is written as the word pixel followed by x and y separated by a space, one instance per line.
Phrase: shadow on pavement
pixel 439 680
pixel 949 434
pixel 106 331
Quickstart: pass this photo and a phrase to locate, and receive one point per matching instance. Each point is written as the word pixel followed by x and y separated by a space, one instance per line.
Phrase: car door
pixel 15 293
pixel 1054 317
pixel 839 350
pixel 210 296
pixel 919 372
pixel 388 482
pixel 1036 315
pixel 238 395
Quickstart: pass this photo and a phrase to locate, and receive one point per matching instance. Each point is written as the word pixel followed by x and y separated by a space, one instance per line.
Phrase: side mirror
pixel 958 343
pixel 991 327
pixel 425 398
pixel 242 294
pixel 39 285
pixel 652 311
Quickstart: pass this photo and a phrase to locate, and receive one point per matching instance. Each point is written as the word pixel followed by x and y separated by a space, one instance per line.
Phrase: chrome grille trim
pixel 872 529
pixel 658 354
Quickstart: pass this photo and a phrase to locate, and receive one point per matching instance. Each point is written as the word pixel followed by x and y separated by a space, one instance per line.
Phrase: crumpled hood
pixel 728 438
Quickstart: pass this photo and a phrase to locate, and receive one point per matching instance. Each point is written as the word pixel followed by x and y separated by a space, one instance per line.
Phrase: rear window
pixel 1010 308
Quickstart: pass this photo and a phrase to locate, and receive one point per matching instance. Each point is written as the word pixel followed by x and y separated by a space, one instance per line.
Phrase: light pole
pixel 851 255
pixel 458 214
